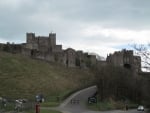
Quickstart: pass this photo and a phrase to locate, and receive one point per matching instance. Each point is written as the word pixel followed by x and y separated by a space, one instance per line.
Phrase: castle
pixel 125 58
pixel 45 48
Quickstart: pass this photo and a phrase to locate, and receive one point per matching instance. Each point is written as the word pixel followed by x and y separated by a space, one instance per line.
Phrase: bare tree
pixel 143 51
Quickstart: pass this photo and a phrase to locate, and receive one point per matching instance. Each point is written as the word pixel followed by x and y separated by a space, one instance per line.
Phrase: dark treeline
pixel 120 83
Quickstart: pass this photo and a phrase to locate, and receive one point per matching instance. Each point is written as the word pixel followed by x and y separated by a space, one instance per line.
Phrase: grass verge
pixel 49 104
pixel 45 111
pixel 111 105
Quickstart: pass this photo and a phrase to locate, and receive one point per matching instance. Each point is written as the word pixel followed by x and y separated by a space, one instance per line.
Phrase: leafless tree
pixel 143 51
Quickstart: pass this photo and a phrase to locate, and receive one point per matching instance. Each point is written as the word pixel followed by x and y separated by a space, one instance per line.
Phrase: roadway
pixel 76 103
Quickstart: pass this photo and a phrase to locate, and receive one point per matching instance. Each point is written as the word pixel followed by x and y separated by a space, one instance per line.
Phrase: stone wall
pixel 57 48
pixel 12 48
pixel 115 59
pixel 125 58
pixel 45 48
pixel 70 57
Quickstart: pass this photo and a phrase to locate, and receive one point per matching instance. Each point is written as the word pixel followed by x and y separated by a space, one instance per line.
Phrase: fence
pixel 12 106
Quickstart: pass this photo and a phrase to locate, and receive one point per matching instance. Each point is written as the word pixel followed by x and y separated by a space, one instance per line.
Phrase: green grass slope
pixel 23 77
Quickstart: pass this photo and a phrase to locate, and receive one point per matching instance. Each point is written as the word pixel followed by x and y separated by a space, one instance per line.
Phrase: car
pixel 92 100
pixel 140 108
pixel 21 100
pixel 39 98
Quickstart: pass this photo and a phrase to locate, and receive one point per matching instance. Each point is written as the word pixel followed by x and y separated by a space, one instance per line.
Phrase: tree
pixel 115 82
pixel 144 51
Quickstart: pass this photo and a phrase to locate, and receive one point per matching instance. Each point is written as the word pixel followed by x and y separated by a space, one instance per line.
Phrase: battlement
pixel 52 35
pixel 30 37
pixel 41 43
pixel 45 48
pixel 125 58
pixel 127 52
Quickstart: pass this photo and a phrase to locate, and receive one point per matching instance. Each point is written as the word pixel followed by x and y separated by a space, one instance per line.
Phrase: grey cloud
pixel 101 41
pixel 66 17
pixel 120 13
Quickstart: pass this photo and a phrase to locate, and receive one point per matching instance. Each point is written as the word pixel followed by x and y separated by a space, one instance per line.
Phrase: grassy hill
pixel 23 77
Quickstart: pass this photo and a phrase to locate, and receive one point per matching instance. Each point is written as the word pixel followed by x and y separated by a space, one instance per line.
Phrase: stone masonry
pixel 125 58
pixel 45 48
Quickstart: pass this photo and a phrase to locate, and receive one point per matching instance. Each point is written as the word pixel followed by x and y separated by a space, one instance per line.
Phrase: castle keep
pixel 45 48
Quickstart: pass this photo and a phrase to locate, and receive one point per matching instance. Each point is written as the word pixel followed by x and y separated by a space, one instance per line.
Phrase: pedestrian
pixel 127 107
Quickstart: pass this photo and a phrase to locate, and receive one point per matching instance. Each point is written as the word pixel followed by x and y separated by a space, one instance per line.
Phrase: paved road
pixel 76 103
pixel 116 111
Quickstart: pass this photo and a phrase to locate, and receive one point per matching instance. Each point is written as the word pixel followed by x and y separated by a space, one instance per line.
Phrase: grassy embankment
pixel 23 77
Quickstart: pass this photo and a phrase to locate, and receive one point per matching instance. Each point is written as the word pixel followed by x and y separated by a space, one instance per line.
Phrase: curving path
pixel 76 103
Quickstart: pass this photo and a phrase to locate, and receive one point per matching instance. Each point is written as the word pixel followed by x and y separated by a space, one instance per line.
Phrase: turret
pixel 52 37
pixel 30 37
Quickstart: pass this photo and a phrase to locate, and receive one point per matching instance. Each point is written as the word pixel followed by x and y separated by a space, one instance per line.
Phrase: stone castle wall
pixel 125 58
pixel 45 48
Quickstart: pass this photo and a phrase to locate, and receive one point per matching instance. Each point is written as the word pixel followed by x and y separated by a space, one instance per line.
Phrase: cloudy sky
pixel 100 26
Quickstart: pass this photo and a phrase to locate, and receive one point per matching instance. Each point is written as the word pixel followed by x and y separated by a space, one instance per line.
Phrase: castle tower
pixel 125 58
pixel 52 37
pixel 128 58
pixel 30 37
pixel 31 41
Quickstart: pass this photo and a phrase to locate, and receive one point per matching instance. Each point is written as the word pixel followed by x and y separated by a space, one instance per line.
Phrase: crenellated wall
pixel 125 58
pixel 45 48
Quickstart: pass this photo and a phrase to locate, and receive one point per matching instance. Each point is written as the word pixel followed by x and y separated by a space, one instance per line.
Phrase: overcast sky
pixel 100 26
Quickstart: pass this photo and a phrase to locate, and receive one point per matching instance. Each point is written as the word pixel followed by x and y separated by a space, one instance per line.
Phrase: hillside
pixel 23 77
